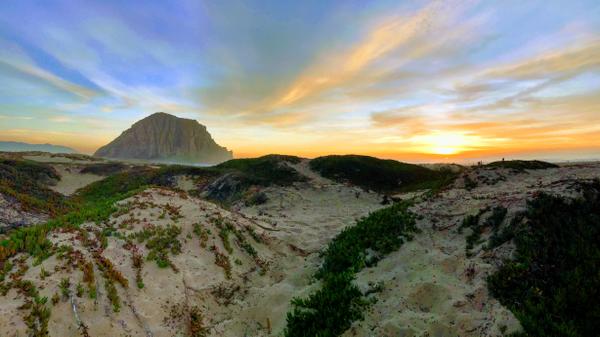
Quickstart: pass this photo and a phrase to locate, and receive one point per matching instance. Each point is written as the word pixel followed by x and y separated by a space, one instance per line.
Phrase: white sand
pixel 71 179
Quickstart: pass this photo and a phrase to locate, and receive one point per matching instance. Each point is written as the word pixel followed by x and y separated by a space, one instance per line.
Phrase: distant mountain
pixel 166 138
pixel 23 147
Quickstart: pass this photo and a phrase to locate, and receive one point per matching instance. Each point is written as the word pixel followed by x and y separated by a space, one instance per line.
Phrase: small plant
pixel 162 243
pixel 138 262
pixel 79 290
pixel 222 261
pixel 38 317
pixel 113 295
pixel 196 326
pixel 64 286
pixel 88 278
pixel 110 272
pixel 44 273
pixel 202 234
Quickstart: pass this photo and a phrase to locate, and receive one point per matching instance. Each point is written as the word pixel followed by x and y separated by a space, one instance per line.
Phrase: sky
pixel 418 81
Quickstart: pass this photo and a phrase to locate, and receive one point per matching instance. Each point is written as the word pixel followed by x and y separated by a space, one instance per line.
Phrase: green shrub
pixel 384 176
pixel 265 171
pixel 553 285
pixel 331 310
pixel 328 312
pixel 522 165
pixel 383 232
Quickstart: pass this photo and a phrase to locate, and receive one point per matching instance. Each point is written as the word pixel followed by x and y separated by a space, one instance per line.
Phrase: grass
pixel 522 165
pixel 331 310
pixel 553 285
pixel 384 176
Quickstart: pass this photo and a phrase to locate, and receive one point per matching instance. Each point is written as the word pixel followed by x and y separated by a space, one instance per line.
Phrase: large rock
pixel 166 138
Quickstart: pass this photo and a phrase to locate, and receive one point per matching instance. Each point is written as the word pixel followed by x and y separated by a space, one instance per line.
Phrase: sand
pixel 71 179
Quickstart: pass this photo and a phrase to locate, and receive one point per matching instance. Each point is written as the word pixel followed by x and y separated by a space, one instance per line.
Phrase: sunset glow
pixel 412 80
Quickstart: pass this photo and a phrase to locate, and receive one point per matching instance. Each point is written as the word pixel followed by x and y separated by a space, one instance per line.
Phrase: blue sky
pixel 411 80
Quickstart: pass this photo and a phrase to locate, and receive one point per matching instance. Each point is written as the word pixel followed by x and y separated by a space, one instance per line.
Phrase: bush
pixel 522 165
pixel 104 169
pixel 328 312
pixel 265 171
pixel 384 176
pixel 553 285
pixel 331 310
pixel 26 181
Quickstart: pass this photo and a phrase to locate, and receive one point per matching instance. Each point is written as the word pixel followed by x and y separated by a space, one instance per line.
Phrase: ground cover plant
pixel 331 309
pixel 380 175
pixel 553 285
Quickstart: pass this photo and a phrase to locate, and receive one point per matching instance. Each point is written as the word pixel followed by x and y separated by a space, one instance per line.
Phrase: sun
pixel 444 143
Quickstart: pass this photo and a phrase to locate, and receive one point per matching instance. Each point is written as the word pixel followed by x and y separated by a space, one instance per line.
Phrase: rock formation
pixel 166 138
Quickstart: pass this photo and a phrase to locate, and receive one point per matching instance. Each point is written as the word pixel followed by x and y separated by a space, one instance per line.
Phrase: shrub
pixel 384 176
pixel 332 309
pixel 522 165
pixel 328 312
pixel 383 231
pixel 552 285
pixel 266 170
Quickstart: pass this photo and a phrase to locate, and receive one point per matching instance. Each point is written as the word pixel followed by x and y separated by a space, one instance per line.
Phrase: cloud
pixel 42 76
pixel 389 35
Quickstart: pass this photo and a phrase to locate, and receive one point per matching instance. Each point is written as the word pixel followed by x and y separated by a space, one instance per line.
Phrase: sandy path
pixel 71 180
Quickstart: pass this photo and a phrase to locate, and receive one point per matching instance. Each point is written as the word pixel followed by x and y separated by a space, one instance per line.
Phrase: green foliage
pixel 553 285
pixel 266 170
pixel 331 310
pixel 328 312
pixel 38 317
pixel 112 294
pixel 522 165
pixel 202 234
pixel 104 169
pixel 383 232
pixel 384 176
pixel 163 242
pixel 26 181
pixel 493 221
pixel 64 286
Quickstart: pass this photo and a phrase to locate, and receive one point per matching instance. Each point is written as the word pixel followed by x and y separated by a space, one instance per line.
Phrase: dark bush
pixel 522 165
pixel 553 283
pixel 379 175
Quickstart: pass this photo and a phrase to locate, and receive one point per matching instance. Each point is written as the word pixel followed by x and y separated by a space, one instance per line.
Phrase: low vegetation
pixel 104 169
pixel 552 285
pixel 266 170
pixel 522 165
pixel 492 222
pixel 331 310
pixel 384 176
pixel 27 182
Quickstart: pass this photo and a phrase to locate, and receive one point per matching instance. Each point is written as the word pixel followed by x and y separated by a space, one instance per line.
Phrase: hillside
pixel 269 247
